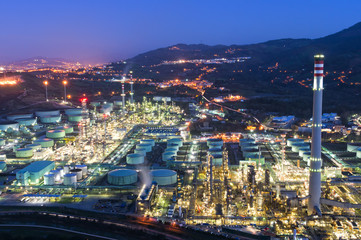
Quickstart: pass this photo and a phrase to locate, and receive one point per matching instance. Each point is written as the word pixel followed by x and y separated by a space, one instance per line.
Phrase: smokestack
pixel 131 90
pixel 123 94
pixel 315 160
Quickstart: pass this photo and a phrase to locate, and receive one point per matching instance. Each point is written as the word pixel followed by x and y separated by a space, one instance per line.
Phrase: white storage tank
pixel 9 126
pixel 69 179
pixel 212 142
pixel 215 151
pixel 249 151
pixel 15 116
pixel 34 146
pixel 243 141
pixel 24 152
pixel 47 113
pixel 301 151
pixel 296 146
pixel 67 129
pixel 75 118
pixel 55 134
pixel 167 156
pixel 78 172
pixel 135 158
pixel 61 170
pixel 358 152
pixel 176 141
pixel 66 169
pixel 249 146
pixel 147 146
pixel 164 176
pixel 148 141
pixel 142 151
pixel 57 175
pixel 292 141
pixel 83 168
pixel 73 111
pixel 352 147
pixel 49 179
pixel 122 177
pixel 306 157
pixel 217 160
pixel 45 142
pixel 51 119
pixel 26 121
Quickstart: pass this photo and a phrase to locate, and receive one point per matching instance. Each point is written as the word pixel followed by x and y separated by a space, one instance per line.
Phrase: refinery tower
pixel 316 161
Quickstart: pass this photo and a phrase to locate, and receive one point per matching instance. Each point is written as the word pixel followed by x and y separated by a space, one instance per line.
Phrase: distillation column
pixel 316 161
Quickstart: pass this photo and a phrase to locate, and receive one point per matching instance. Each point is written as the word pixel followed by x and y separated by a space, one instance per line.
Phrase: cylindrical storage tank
pixel 173 150
pixel 215 151
pixel 34 146
pixel 26 121
pixel 352 147
pixel 45 142
pixel 148 141
pixel 173 145
pixel 142 151
pixel 292 141
pixel 24 152
pixel 73 111
pixel 167 156
pixel 297 146
pixel 256 157
pixel 75 118
pixel 164 176
pixel 69 179
pixel 215 146
pixel 78 172
pixel 306 156
pixel 135 158
pixel 49 179
pixel 2 142
pixel 358 152
pixel 47 113
pixel 243 141
pixel 217 160
pixel 83 168
pixel 118 103
pixel 214 141
pixel 61 170
pixel 51 119
pixel 67 129
pixel 66 169
pixel 177 141
pixel 16 116
pixel 57 175
pixel 95 104
pixel 122 177
pixel 55 134
pixel 146 146
pixel 301 151
pixel 249 151
pixel 9 126
pixel 249 146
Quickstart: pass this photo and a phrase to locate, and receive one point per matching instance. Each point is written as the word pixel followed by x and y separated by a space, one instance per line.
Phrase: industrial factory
pixel 142 156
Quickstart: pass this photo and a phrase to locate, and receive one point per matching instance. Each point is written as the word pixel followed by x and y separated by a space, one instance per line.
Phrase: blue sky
pixel 105 30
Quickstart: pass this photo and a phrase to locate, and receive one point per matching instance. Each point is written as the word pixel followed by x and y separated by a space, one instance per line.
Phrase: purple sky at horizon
pixel 101 31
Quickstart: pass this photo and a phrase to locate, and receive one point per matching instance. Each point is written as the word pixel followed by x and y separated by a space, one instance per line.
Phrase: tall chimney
pixel 315 160
pixel 123 95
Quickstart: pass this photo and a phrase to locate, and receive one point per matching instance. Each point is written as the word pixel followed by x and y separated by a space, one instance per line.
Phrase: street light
pixel 65 83
pixel 46 90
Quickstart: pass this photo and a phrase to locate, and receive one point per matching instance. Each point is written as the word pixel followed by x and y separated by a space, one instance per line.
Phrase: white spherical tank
pixel 164 176
pixel 49 179
pixel 55 134
pixel 135 158
pixel 122 177
pixel 69 179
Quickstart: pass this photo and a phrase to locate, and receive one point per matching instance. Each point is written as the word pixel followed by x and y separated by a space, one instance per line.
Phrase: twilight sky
pixel 106 30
